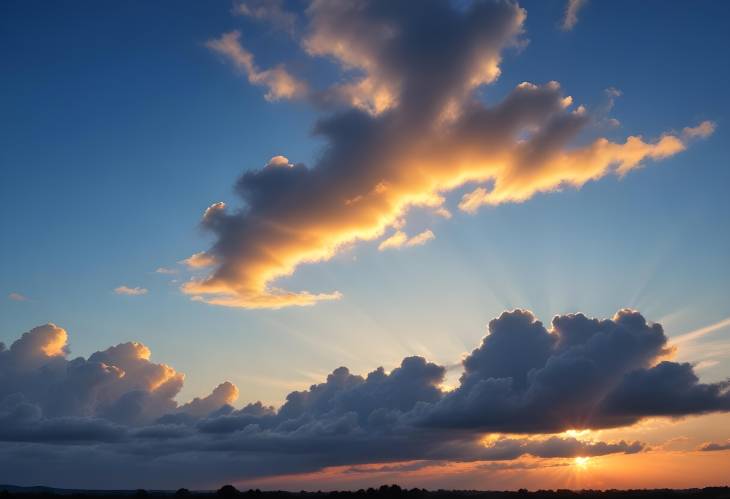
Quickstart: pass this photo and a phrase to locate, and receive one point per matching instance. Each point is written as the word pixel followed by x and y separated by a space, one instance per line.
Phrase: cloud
pixel 583 373
pixel 165 270
pixel 279 83
pixel 119 384
pixel 705 364
pixel 272 11
pixel 403 127
pixel 202 259
pixel 667 389
pixel 400 239
pixel 571 14
pixel 223 395
pixel 521 388
pixel 35 347
pixel 279 161
pixel 701 131
pixel 17 297
pixel 699 333
pixel 508 448
pixel 715 446
pixel 126 290
pixel 21 421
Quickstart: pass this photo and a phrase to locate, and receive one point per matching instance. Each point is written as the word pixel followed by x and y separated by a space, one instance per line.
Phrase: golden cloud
pixel 411 131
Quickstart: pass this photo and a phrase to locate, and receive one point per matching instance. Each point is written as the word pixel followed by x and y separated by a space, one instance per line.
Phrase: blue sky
pixel 119 127
pixel 439 192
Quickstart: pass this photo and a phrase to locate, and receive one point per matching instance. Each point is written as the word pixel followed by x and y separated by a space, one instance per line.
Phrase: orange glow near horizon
pixel 653 469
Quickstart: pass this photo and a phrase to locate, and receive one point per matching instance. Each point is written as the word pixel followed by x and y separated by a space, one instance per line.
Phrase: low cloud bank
pixel 117 411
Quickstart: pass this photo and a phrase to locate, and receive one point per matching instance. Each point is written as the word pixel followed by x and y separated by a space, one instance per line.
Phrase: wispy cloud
pixel 706 364
pixel 272 11
pixel 699 333
pixel 715 446
pixel 571 14
pixel 400 239
pixel 278 81
pixel 166 270
pixel 701 131
pixel 17 297
pixel 126 290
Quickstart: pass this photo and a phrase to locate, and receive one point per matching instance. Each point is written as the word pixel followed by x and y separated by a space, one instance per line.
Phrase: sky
pixel 205 205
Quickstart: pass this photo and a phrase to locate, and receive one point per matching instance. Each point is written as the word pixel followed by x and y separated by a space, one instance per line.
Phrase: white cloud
pixel 126 290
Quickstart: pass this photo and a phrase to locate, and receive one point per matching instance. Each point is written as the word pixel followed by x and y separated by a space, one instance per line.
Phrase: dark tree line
pixel 383 492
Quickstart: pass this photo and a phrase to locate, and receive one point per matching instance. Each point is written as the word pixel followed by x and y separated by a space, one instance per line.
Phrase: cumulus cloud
pixel 126 290
pixel 223 395
pixel 22 422
pixel 570 19
pixel 279 161
pixel 403 127
pixel 582 373
pixel 120 384
pixel 165 270
pixel 521 389
pixel 667 389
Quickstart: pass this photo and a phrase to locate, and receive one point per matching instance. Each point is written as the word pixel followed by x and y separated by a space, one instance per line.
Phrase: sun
pixel 581 462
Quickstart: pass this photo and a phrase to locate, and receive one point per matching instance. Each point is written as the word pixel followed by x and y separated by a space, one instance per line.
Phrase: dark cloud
pixel 525 378
pixel 23 421
pixel 509 448
pixel 715 446
pixel 522 379
pixel 554 447
pixel 667 389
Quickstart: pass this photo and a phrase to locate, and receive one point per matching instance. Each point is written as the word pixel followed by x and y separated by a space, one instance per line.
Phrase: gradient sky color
pixel 119 127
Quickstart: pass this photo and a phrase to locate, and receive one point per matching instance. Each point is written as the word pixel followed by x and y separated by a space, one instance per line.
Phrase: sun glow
pixel 576 433
pixel 581 462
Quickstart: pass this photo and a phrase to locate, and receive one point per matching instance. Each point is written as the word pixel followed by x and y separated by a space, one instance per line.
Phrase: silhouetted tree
pixel 227 491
